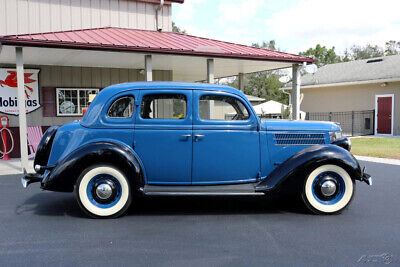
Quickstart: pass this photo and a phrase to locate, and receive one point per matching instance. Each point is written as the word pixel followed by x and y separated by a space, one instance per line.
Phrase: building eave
pixel 345 83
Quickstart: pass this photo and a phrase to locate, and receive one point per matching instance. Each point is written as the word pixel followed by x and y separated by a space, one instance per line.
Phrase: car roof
pixel 92 116
pixel 171 85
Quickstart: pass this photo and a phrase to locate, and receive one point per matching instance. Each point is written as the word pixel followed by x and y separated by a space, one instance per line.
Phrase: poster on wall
pixel 9 90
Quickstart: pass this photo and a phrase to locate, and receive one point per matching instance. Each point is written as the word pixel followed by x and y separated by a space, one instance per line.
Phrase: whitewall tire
pixel 103 191
pixel 328 189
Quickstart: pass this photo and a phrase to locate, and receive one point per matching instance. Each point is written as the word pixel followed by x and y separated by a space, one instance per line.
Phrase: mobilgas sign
pixel 9 91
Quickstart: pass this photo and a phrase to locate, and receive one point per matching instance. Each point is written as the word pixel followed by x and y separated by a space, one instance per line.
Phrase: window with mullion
pixel 72 101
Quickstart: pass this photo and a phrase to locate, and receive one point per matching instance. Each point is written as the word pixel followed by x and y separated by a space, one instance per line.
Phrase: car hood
pixel 297 125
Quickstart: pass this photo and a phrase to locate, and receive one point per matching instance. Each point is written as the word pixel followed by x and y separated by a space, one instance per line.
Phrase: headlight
pixel 335 135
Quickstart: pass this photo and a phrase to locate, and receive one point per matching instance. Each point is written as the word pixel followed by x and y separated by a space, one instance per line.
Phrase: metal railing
pixel 352 122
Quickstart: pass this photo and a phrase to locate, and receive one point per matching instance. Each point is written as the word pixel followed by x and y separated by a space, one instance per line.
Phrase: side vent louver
pixel 299 138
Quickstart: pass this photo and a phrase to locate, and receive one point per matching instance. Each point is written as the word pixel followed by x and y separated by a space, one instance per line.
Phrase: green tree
pixel 271 45
pixel 264 84
pixel 177 29
pixel 323 55
pixel 365 52
pixel 392 48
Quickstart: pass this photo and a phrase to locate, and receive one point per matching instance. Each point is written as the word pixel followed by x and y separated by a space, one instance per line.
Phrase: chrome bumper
pixel 30 178
pixel 367 178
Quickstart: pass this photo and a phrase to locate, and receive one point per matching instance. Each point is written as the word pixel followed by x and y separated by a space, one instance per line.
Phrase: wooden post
pixel 19 60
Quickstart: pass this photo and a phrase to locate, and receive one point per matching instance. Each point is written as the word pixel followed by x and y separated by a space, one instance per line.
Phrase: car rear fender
pixel 63 176
pixel 44 148
pixel 297 166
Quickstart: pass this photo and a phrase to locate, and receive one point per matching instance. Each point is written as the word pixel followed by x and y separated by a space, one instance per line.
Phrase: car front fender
pixel 302 162
pixel 63 176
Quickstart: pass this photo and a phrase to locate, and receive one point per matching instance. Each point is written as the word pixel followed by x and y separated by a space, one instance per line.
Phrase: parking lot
pixel 39 227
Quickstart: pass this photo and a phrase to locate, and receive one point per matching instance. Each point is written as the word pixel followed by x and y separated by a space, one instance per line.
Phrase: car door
pixel 225 139
pixel 163 135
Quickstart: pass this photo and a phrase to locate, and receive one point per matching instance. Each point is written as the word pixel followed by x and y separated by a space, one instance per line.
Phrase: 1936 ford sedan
pixel 167 138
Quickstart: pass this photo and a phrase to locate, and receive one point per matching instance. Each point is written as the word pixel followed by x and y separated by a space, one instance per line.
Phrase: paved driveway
pixel 38 227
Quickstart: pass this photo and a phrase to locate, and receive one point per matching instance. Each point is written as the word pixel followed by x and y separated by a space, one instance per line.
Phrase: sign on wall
pixel 9 91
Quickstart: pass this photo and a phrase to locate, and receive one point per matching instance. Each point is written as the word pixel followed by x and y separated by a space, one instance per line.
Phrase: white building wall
pixel 32 16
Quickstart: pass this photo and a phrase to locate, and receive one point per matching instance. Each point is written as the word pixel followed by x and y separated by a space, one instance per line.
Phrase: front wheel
pixel 103 191
pixel 328 189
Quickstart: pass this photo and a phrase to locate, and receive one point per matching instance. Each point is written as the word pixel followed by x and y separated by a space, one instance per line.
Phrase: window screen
pixel 164 106
pixel 219 107
pixel 121 108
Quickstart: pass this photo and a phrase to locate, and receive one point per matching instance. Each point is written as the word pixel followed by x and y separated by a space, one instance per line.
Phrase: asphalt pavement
pixel 48 228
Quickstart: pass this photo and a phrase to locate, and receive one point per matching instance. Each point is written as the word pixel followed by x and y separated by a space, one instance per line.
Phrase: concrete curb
pixel 13 166
pixel 379 160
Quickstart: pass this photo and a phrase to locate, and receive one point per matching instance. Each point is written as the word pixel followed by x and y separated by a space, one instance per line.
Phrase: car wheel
pixel 328 189
pixel 103 191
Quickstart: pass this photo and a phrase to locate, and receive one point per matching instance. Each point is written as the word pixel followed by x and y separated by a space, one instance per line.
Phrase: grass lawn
pixel 381 147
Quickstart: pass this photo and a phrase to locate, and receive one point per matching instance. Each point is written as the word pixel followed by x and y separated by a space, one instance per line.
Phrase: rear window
pixel 122 108
pixel 164 106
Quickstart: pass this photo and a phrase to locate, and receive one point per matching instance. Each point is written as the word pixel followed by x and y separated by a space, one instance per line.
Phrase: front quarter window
pixel 222 107
pixel 121 108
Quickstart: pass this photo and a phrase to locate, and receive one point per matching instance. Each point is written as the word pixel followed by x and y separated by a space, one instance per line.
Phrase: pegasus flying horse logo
pixel 11 81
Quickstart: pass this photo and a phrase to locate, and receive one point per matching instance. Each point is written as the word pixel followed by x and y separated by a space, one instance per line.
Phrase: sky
pixel 295 25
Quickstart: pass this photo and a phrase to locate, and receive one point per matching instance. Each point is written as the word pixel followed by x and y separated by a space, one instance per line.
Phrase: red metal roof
pixel 122 39
pixel 168 2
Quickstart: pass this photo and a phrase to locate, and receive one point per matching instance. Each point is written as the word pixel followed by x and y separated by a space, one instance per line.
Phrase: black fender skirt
pixel 63 176
pixel 305 160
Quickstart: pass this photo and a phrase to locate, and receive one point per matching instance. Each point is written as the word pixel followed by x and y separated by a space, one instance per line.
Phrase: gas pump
pixel 3 132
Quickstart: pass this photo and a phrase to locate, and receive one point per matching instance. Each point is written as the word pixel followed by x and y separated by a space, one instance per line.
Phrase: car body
pixel 169 138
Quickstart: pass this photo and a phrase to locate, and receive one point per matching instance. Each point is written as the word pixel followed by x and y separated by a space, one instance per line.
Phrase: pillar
pixel 210 70
pixel 296 81
pixel 21 108
pixel 148 69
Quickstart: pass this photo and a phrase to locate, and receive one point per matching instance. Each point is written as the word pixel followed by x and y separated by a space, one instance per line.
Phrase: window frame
pixel 221 120
pixel 117 99
pixel 78 89
pixel 162 93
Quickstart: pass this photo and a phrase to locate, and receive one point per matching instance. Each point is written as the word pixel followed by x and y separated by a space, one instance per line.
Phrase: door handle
pixel 187 135
pixel 197 136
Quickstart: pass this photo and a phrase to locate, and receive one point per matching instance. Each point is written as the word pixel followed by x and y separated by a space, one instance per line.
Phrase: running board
pixel 201 190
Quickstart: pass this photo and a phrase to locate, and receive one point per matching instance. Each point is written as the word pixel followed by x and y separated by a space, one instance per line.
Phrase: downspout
pixel 158 9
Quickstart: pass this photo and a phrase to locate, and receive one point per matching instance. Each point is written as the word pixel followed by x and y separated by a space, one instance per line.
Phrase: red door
pixel 384 115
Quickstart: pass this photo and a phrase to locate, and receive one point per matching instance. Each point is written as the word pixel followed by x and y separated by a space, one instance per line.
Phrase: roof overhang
pixel 184 67
pixel 116 47
pixel 345 83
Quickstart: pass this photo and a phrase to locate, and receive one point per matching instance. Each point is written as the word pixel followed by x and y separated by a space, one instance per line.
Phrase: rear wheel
pixel 103 191
pixel 328 189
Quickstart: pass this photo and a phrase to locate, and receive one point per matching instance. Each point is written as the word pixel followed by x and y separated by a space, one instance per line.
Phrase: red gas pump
pixel 4 128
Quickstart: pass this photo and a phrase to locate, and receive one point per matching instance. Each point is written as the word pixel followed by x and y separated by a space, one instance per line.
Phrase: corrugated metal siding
pixel 80 77
pixel 32 16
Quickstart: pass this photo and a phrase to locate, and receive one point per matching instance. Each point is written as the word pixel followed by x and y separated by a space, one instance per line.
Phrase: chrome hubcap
pixel 104 191
pixel 328 188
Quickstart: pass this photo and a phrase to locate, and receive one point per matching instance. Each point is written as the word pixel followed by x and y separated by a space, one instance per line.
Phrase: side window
pixel 164 106
pixel 121 108
pixel 220 107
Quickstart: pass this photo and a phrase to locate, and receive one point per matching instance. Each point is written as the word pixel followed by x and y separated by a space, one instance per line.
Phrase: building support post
pixel 241 82
pixel 148 68
pixel 210 70
pixel 21 108
pixel 296 81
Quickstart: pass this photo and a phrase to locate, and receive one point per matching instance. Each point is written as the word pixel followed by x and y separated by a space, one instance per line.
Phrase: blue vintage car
pixel 168 138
